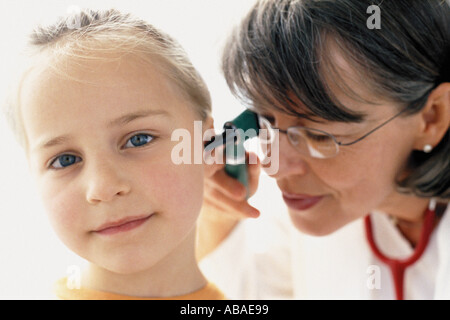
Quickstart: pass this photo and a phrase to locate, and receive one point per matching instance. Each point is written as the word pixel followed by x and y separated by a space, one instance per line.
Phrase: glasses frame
pixel 338 143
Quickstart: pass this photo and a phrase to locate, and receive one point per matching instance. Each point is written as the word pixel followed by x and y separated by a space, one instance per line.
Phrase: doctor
pixel 362 119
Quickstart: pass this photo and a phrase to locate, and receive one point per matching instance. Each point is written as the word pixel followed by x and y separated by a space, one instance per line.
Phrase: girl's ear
pixel 435 118
pixel 210 169
pixel 208 123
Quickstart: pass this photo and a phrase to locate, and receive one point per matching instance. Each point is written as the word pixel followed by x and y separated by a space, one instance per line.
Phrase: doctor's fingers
pixel 227 185
pixel 231 187
pixel 218 202
pixel 254 171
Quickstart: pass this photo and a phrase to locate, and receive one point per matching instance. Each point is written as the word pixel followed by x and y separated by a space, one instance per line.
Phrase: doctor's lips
pixel 123 225
pixel 300 201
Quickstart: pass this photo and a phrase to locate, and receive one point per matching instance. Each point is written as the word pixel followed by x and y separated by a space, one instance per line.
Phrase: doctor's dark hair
pixel 280 58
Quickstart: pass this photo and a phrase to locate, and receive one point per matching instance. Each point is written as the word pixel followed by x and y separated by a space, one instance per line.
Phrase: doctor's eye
pixel 138 140
pixel 318 137
pixel 64 161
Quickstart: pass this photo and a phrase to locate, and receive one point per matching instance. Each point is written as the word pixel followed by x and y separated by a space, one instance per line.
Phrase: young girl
pixel 95 113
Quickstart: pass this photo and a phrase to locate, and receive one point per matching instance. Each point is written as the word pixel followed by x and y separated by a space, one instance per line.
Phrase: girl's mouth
pixel 122 225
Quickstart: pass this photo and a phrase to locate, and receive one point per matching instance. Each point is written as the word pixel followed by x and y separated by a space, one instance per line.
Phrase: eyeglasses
pixel 311 142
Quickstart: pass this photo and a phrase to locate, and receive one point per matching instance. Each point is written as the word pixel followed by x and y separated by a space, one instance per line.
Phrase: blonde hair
pixel 84 34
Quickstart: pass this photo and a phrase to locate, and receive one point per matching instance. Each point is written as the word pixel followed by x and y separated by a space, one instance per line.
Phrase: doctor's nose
pixel 290 161
pixel 105 182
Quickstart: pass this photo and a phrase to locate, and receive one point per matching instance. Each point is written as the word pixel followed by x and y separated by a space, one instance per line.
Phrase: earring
pixel 432 204
pixel 427 148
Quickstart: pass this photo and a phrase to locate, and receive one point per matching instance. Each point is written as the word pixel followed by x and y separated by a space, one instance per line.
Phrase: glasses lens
pixel 315 143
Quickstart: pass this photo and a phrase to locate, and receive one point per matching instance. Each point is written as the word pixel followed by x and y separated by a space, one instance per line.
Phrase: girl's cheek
pixel 61 206
pixel 178 188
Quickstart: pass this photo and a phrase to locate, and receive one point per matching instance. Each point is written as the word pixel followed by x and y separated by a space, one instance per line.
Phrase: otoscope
pixel 235 133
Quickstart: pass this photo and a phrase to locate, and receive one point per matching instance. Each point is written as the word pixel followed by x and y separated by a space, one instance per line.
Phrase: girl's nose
pixel 105 182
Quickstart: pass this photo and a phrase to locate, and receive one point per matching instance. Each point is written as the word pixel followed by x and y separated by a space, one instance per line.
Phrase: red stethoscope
pixel 398 266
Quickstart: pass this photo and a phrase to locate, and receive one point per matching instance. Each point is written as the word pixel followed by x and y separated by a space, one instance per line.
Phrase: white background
pixel 31 256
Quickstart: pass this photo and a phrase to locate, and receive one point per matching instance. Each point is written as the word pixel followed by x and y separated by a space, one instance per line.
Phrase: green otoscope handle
pixel 248 124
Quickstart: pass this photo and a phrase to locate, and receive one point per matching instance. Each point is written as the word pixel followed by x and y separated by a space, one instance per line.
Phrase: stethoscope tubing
pixel 399 266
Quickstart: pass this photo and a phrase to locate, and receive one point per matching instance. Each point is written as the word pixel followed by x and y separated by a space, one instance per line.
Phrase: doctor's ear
pixel 434 118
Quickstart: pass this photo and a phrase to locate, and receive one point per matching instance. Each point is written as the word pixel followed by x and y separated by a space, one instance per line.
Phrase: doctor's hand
pixel 227 196
pixel 225 204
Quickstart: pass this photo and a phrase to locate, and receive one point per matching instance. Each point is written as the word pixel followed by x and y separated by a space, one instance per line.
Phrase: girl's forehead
pixel 96 73
pixel 91 68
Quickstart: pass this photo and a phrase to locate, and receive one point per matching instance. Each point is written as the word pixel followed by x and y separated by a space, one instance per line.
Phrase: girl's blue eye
pixel 64 161
pixel 138 140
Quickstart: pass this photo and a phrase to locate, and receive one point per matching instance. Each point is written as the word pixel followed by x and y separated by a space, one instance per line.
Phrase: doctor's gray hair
pixel 109 34
pixel 280 58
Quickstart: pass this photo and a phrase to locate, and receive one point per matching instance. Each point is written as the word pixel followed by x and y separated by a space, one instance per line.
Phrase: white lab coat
pixel 270 259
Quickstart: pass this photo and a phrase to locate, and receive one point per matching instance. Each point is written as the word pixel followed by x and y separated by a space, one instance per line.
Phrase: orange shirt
pixel 209 292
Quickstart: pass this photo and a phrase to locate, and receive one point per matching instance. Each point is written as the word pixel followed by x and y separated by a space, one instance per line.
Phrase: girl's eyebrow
pixel 122 120
pixel 54 142
pixel 137 115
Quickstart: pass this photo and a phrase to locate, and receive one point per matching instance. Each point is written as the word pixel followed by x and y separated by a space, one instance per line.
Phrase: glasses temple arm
pixel 373 130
